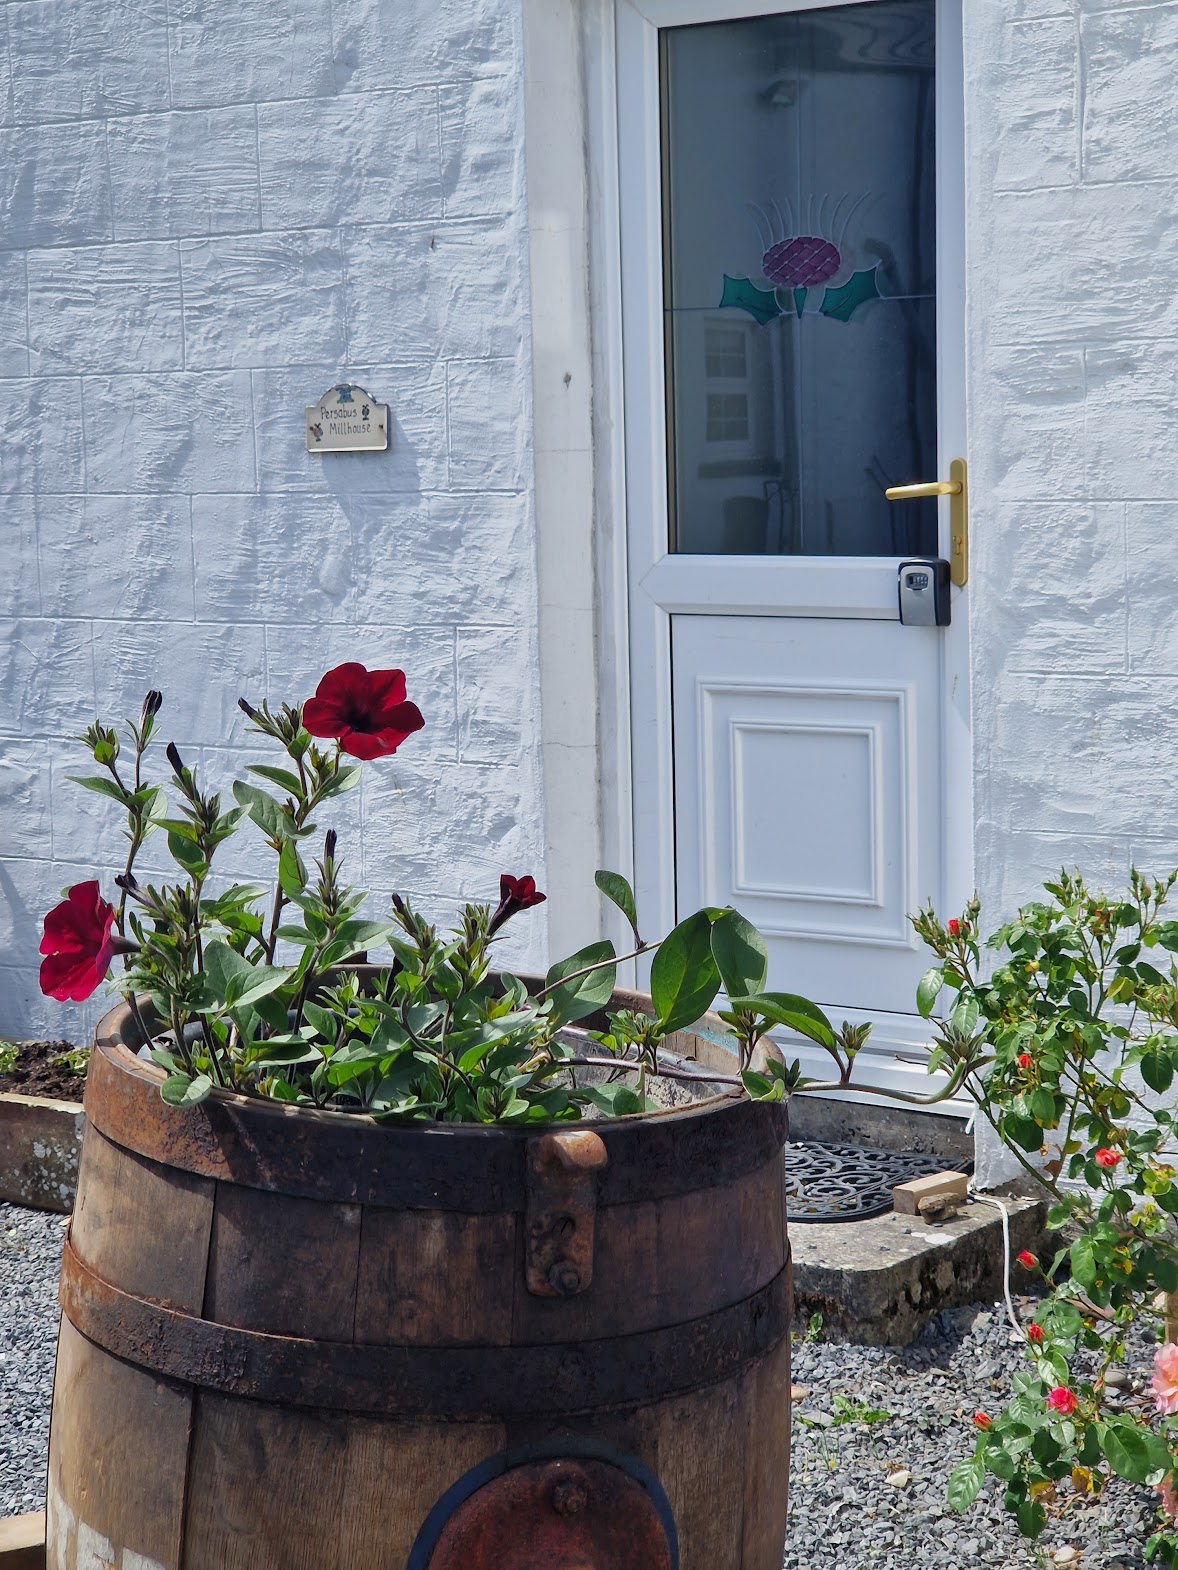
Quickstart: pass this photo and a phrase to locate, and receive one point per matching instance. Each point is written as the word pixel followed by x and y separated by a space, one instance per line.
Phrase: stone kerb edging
pixel 40 1143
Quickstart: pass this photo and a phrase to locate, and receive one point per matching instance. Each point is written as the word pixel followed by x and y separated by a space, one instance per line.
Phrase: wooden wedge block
pixel 906 1197
pixel 22 1542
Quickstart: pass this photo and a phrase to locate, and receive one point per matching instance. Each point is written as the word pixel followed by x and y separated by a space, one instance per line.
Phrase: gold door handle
pixel 956 487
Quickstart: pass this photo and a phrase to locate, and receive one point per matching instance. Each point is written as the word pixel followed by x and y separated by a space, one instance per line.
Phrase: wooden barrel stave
pixel 215 1479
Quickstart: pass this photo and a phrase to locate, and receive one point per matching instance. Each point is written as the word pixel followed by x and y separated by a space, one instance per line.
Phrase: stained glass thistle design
pixel 795 263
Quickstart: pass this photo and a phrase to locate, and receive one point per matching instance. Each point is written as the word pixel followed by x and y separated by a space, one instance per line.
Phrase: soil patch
pixel 37 1072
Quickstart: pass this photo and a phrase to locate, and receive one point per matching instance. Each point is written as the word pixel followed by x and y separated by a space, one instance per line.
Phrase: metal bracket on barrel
pixel 561 1210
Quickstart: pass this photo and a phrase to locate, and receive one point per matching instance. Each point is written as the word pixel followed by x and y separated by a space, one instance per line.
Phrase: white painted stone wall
pixel 209 214
pixel 1072 191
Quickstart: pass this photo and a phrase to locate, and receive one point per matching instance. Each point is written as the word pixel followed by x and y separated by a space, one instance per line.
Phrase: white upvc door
pixel 795 750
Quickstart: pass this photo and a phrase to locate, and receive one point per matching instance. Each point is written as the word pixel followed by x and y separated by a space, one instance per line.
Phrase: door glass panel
pixel 800 280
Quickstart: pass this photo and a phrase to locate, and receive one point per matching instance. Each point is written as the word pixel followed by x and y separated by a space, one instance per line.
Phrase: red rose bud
pixel 1024 1060
pixel 1034 1333
pixel 1062 1400
pixel 953 926
pixel 1107 1158
pixel 365 711
pixel 515 894
pixel 980 1420
pixel 78 944
pixel 1027 1260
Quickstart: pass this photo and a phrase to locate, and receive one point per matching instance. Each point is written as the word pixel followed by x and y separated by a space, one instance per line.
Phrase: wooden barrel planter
pixel 302 1339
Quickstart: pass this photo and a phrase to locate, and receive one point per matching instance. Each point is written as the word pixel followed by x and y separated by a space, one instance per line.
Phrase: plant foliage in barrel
pixel 252 989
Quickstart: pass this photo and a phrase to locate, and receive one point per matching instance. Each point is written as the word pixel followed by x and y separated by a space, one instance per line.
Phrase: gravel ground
pixel 851 1504
pixel 30 1253
pixel 865 1493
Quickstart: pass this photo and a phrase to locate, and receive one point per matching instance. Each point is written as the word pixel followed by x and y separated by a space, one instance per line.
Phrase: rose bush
pixel 264 990
pixel 1077 1032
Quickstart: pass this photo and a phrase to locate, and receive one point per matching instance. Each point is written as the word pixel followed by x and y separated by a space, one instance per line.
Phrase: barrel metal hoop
pixel 345 1158
pixel 443 1383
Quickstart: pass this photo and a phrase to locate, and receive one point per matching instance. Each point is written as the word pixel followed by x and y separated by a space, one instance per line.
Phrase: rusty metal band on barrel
pixel 344 1159
pixel 447 1383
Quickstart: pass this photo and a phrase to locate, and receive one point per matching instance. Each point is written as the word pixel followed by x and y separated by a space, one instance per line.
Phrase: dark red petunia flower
pixel 365 711
pixel 78 944
pixel 515 894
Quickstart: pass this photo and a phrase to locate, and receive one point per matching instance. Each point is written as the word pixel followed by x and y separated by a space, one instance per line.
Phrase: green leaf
pixel 283 777
pixel 186 854
pixel 684 978
pixel 587 993
pixel 178 1090
pixel 793 1012
pixel 929 990
pixel 740 954
pixel 614 886
pixel 274 822
pixel 760 1088
pixel 99 783
pixel 1083 1263
pixel 292 874
pixel 1042 1106
pixel 344 780
pixel 1030 1517
pixel 1133 1452
pixel 965 1482
pixel 1157 1071
pixel 964 1017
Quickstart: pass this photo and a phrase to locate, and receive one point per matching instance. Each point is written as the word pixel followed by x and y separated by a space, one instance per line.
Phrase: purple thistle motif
pixel 801 263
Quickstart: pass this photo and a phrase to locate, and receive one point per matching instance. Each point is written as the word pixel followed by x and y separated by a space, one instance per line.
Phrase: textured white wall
pixel 210 213
pixel 1072 249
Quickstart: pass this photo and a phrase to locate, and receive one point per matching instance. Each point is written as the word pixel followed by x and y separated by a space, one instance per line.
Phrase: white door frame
pixel 630 425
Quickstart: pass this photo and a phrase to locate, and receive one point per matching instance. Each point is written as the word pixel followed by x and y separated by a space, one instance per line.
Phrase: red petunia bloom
pixel 1062 1400
pixel 365 711
pixel 1034 1333
pixel 1026 1259
pixel 515 894
pixel 1107 1158
pixel 78 944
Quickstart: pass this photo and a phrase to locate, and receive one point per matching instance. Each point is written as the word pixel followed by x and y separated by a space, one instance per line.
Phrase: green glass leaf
pixel 743 295
pixel 684 978
pixel 842 303
pixel 615 887
pixel 740 954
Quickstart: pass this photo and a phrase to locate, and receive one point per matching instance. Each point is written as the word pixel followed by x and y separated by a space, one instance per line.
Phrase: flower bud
pixel 1106 1158
pixel 1027 1260
pixel 953 927
pixel 1024 1060
pixel 1035 1333
pixel 171 752
pixel 980 1420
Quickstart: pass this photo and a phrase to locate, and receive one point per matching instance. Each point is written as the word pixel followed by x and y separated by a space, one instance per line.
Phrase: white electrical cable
pixel 988 1199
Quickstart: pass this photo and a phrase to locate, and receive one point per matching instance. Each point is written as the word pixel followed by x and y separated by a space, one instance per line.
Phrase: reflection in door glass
pixel 800 289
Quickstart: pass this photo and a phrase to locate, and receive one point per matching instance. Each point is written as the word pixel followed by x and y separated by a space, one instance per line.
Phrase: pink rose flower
pixel 1165 1378
pixel 1062 1400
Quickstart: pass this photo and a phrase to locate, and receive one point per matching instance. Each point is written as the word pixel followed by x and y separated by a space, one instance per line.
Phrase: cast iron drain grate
pixel 851 1182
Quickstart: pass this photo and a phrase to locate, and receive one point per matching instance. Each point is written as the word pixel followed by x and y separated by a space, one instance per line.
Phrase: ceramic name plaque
pixel 347 419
